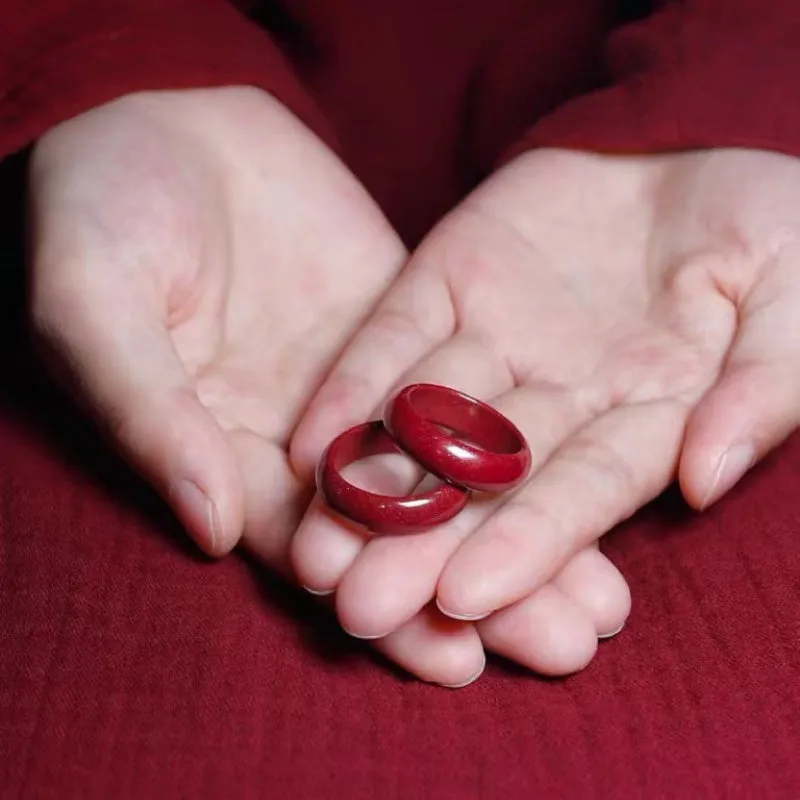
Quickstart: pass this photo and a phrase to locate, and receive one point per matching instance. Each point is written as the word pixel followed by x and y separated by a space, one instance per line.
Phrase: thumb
pixel 104 341
pixel 755 403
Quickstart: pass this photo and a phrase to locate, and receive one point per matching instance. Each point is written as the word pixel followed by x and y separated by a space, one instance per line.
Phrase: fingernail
pixel 467 682
pixel 319 592
pixel 731 467
pixel 611 635
pixel 362 637
pixel 462 617
pixel 199 509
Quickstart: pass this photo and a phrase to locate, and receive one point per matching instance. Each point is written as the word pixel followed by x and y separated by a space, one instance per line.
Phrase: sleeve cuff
pixel 694 76
pixel 206 46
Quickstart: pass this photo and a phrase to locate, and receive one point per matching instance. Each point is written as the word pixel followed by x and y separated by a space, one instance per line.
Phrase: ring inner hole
pixel 371 461
pixel 390 474
pixel 465 420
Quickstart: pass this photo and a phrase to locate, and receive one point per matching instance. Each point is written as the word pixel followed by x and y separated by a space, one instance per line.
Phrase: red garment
pixel 427 94
pixel 130 668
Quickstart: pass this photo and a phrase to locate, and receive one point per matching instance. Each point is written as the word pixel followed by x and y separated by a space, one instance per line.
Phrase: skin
pixel 199 261
pixel 635 317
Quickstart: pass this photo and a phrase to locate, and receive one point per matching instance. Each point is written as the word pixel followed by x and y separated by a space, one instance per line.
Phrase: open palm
pixel 635 317
pixel 199 261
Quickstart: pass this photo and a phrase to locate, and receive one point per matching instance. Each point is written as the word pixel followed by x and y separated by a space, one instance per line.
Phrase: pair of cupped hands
pixel 222 297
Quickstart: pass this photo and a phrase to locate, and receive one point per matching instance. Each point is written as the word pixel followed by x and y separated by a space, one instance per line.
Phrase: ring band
pixel 377 512
pixel 458 438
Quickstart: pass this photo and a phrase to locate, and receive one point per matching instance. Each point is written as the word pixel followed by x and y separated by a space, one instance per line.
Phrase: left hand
pixel 636 317
pixel 190 287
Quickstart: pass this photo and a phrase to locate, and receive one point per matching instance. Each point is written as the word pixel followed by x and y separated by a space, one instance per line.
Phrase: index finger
pixel 413 319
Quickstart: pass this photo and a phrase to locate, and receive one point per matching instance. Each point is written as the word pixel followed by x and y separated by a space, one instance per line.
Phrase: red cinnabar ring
pixel 377 512
pixel 458 438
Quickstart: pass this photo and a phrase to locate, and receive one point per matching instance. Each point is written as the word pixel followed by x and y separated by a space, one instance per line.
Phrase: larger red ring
pixel 458 438
pixel 377 512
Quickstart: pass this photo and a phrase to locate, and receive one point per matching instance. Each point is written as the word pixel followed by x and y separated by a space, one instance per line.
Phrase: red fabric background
pixel 131 668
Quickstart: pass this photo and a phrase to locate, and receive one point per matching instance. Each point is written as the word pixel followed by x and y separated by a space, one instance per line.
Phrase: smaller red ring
pixel 382 514
pixel 458 438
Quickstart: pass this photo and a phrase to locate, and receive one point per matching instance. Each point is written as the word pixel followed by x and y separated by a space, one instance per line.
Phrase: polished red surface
pixel 381 513
pixel 458 438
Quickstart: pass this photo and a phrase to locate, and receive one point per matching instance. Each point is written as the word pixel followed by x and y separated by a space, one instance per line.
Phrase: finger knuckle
pixel 612 475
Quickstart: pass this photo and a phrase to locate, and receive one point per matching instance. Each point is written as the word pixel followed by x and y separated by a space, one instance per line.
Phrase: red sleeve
pixel 695 74
pixel 59 58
